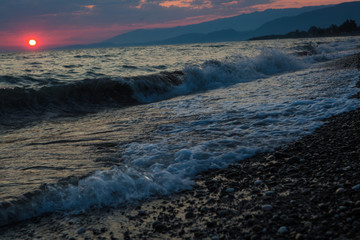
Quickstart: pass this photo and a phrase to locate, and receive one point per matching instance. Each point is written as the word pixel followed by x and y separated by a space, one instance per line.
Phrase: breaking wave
pixel 90 95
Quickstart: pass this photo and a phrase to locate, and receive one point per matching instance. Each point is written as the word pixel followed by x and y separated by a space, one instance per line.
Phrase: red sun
pixel 32 42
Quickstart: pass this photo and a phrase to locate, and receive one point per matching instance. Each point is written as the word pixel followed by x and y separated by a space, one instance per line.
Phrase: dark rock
pixel 142 213
pixel 299 236
pixel 96 231
pixel 189 215
pixel 281 155
pixel 283 230
pixel 81 231
pixel 159 226
pixel 212 224
pixel 356 212
pixel 293 160
pixel 340 190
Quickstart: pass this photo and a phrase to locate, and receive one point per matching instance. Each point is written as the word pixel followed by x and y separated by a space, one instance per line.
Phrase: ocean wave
pixel 103 188
pixel 115 186
pixel 83 96
pixel 24 81
pixel 213 74
pixel 89 95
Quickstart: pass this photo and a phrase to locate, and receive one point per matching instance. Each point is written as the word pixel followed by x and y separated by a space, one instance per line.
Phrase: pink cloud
pixel 89 6
pixel 279 4
pixel 186 4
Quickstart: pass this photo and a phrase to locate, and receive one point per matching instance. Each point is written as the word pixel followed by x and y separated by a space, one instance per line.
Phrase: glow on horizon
pixel 280 4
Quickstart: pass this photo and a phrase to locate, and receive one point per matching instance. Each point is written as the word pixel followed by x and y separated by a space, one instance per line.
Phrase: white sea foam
pixel 213 74
pixel 333 50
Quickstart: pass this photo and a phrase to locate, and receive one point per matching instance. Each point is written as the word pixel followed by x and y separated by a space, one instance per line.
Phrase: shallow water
pixel 69 144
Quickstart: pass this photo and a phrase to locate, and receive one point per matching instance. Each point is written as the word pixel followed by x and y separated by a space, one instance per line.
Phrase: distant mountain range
pixel 242 27
pixel 244 22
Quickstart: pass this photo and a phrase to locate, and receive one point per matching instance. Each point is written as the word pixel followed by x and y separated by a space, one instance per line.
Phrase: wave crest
pixel 91 95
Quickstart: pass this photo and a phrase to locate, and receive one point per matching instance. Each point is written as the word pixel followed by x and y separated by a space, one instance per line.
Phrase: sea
pixel 94 128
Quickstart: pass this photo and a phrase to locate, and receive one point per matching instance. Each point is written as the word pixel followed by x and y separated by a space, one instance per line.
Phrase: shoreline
pixel 309 189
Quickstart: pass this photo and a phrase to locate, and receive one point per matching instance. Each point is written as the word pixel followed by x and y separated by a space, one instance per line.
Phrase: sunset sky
pixel 59 23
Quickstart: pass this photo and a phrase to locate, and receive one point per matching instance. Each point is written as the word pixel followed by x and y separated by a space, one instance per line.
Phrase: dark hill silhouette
pixel 349 27
pixel 322 18
pixel 244 22
pixel 228 29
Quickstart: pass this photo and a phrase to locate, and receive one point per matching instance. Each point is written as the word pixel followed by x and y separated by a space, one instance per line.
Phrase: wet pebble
pixel 340 190
pixel 283 230
pixel 342 208
pixel 189 215
pixel 269 193
pixel 267 207
pixel 81 231
pixel 356 212
pixel 141 213
pixel 159 226
pixel 299 236
pixel 293 160
pixel 230 190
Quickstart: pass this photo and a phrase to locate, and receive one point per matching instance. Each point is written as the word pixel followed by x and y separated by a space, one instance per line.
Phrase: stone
pixel 308 224
pixel 267 207
pixel 342 208
pixel 230 190
pixel 81 231
pixel 299 236
pixel 356 212
pixel 159 226
pixel 281 155
pixel 329 233
pixel 283 230
pixel 141 213
pixel 340 190
pixel 269 193
pixel 293 160
pixel 189 215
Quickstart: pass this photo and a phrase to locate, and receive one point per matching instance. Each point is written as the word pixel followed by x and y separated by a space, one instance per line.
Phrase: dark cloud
pixel 55 13
pixel 99 19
